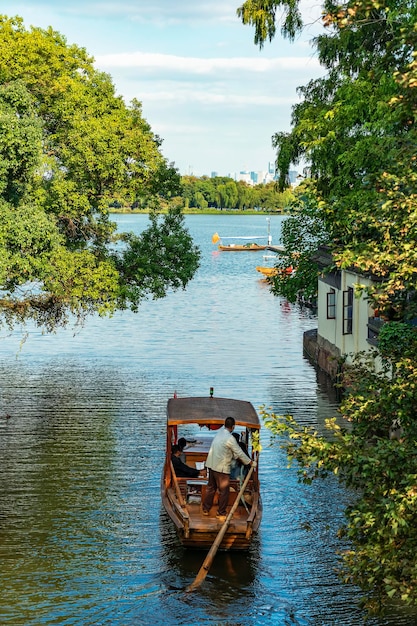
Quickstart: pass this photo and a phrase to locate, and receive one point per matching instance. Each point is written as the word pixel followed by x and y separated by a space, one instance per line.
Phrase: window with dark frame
pixel 331 305
pixel 347 311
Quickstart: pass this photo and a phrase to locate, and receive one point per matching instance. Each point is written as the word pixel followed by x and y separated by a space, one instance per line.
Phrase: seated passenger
pixel 238 470
pixel 182 444
pixel 181 469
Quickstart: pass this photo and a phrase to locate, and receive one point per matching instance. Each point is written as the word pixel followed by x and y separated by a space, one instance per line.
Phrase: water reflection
pixel 235 571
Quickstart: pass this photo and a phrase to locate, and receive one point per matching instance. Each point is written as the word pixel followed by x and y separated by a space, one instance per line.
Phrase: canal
pixel 84 539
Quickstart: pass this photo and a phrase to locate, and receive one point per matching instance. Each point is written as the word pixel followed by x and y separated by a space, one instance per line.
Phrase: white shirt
pixel 224 448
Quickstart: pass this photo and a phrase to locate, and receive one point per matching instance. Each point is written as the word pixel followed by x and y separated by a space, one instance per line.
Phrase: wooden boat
pixel 198 418
pixel 273 271
pixel 267 271
pixel 247 247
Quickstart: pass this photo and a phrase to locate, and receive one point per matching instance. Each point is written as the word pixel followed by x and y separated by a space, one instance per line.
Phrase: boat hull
pixel 273 271
pixel 239 248
pixel 267 271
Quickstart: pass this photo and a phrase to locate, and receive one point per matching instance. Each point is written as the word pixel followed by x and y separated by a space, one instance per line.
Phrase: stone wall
pixel 322 353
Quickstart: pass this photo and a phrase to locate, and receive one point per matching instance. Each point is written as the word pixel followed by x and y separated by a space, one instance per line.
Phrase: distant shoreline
pixel 202 212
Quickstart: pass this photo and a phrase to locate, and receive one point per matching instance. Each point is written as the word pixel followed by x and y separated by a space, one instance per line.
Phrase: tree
pixel 356 127
pixel 20 141
pixel 302 233
pixel 69 146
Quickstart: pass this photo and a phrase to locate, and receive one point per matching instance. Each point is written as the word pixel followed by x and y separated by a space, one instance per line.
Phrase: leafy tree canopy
pixel 356 127
pixel 68 147
pixel 302 233
pixel 222 192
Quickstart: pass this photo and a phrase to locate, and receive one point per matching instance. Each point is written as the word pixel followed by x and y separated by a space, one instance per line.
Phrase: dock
pixel 277 249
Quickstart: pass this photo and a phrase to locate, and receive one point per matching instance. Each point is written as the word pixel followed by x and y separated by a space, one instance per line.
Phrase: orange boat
pixel 273 271
pixel 267 271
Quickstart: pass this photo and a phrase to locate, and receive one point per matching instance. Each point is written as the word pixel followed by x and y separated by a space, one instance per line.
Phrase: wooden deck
pixel 196 530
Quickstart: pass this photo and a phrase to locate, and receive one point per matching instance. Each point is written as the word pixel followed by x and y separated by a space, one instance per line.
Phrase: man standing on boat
pixel 223 450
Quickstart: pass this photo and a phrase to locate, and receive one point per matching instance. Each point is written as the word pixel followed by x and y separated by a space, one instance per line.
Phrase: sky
pixel 206 89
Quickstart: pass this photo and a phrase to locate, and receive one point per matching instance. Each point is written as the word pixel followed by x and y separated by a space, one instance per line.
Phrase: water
pixel 83 537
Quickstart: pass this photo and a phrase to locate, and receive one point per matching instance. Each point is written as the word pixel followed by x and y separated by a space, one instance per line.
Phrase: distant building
pixel 260 177
pixel 245 177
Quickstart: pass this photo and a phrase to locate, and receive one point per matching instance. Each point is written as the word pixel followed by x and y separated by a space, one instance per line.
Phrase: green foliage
pixel 302 233
pixel 225 193
pixel 69 147
pixel 356 127
pixel 396 340
pixel 388 252
pixel 256 443
pixel 162 258
pixel 262 15
pixel 20 141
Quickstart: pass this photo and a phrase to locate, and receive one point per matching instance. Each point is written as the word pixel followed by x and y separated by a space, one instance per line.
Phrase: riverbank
pixel 185 211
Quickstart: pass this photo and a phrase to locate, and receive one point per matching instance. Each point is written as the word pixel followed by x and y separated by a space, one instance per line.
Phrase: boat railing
pixel 177 487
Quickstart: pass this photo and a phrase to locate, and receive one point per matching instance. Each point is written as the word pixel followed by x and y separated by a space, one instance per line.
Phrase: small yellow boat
pixel 249 246
pixel 267 271
pixel 274 271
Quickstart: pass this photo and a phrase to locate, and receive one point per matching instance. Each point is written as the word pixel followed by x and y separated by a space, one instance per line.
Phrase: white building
pixel 346 321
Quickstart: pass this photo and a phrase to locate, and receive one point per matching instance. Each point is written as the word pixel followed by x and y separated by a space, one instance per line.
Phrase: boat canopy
pixel 207 410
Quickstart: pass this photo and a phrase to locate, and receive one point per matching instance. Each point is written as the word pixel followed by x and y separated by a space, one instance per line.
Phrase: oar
pixel 212 552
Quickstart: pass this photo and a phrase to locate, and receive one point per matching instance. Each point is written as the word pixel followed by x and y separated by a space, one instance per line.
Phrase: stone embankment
pixel 322 354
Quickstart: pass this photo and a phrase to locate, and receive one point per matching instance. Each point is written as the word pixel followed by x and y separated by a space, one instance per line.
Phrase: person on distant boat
pixel 239 469
pixel 181 469
pixel 182 443
pixel 223 450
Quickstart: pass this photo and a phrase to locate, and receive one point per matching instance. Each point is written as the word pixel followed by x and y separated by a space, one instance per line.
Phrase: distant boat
pixel 273 271
pixel 182 497
pixel 267 271
pixel 249 246
pixel 246 247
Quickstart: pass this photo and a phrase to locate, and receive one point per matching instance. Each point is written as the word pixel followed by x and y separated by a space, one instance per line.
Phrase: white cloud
pixel 196 65
pixel 211 94
pixel 160 12
pixel 224 99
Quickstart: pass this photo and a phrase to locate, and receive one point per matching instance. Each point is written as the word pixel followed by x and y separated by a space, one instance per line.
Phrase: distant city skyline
pixel 253 177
